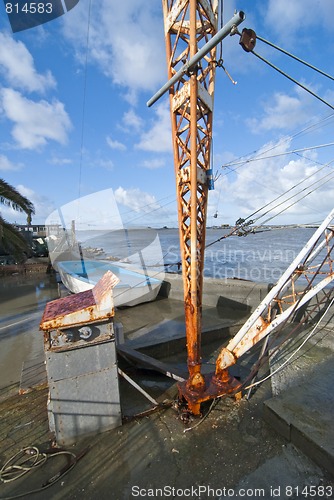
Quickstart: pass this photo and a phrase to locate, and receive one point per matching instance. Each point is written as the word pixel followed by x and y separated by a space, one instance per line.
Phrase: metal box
pixel 84 394
pixel 81 363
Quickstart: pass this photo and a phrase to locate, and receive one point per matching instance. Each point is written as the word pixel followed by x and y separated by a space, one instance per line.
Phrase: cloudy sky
pixel 74 120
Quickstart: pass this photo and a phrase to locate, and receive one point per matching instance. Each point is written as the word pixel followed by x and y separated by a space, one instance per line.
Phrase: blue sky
pixel 74 120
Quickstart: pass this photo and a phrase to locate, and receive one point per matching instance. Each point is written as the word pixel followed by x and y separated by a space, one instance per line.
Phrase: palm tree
pixel 10 238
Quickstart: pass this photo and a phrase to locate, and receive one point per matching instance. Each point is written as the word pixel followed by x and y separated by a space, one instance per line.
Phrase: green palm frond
pixel 10 197
pixel 12 240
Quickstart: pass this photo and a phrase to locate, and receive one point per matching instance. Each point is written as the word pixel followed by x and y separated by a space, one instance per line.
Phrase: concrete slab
pixel 282 476
pixel 303 409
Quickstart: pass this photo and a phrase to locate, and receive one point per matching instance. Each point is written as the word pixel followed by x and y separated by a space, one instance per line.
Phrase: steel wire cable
pixel 295 151
pixel 292 79
pixel 294 203
pixel 287 361
pixel 239 227
pixel 295 57
pixel 259 363
pixel 252 51
pixel 282 194
pixel 282 141
pixel 30 458
pixel 330 175
pixel 291 189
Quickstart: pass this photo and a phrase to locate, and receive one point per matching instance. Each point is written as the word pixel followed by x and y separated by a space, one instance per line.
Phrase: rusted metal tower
pixel 190 26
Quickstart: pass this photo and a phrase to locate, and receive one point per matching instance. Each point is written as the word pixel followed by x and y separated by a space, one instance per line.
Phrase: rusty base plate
pixel 213 389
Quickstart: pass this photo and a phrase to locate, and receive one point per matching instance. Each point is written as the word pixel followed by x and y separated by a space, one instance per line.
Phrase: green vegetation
pixel 11 239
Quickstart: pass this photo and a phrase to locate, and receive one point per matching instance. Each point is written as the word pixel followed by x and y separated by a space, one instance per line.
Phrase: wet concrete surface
pixel 232 451
pixel 302 408
pixel 22 301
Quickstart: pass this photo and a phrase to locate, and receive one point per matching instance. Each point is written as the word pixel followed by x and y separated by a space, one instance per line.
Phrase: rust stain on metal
pixel 214 387
pixel 191 109
pixel 83 307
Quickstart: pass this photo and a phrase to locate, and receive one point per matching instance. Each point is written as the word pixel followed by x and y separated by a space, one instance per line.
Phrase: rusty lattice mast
pixel 189 26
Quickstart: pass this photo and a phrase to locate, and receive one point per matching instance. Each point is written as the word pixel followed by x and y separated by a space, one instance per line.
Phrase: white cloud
pixel 126 41
pixel 42 204
pixel 106 164
pixel 159 137
pixel 137 200
pixel 144 209
pixel 35 122
pixel 154 163
pixel 7 165
pixel 97 210
pixel 132 120
pixel 282 112
pixel 286 17
pixel 17 67
pixel 60 161
pixel 258 183
pixel 113 144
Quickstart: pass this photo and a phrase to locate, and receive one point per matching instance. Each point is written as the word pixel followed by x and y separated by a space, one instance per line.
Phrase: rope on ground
pixel 31 458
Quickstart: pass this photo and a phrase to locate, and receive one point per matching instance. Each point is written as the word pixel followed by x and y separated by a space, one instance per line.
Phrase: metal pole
pixel 193 307
pixel 218 37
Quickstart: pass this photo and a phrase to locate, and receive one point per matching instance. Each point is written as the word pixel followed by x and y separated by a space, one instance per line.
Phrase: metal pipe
pixel 193 312
pixel 237 19
pixel 136 386
pixel 248 340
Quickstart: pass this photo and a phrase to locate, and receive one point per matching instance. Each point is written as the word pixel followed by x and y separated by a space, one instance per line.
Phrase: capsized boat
pixel 133 288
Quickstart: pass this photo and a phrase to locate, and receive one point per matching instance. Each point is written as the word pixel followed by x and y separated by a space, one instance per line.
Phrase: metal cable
pixel 330 175
pixel 279 368
pixel 291 189
pixel 19 465
pixel 288 138
pixel 292 204
pixel 295 151
pixel 243 225
pixel 292 79
pixel 294 57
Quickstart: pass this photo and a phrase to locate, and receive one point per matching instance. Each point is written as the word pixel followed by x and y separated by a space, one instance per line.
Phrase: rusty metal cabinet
pixel 84 394
pixel 81 363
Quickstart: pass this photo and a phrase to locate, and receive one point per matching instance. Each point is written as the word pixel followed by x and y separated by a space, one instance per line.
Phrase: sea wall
pixel 30 267
pixel 230 295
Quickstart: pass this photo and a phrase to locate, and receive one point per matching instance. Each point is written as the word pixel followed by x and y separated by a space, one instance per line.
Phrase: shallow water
pixel 22 302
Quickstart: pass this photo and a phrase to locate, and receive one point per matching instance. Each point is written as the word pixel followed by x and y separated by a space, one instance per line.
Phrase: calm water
pixel 260 257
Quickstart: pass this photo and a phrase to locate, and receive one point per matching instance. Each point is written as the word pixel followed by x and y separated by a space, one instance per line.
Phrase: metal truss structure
pixel 189 26
pixel 192 35
pixel 311 272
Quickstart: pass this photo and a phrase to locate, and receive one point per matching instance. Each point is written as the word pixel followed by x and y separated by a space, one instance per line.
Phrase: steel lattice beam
pixel 313 268
pixel 189 24
pixel 191 32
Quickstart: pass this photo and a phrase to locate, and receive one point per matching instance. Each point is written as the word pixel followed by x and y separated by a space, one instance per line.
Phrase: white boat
pixel 134 287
